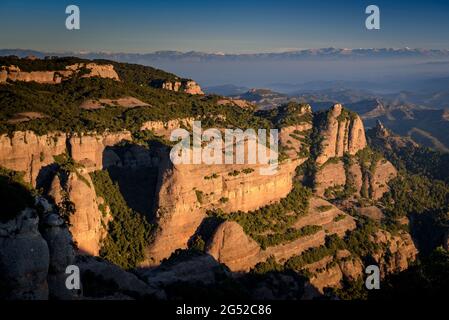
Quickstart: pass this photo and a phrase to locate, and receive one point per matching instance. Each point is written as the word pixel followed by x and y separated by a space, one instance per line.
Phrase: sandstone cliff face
pixel 13 73
pixel 86 222
pixel 185 192
pixel 341 133
pixel 29 153
pixel 32 154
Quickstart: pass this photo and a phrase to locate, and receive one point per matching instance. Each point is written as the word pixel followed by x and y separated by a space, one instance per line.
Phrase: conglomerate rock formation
pixel 185 192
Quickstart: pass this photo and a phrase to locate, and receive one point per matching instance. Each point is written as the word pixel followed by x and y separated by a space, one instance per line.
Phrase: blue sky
pixel 221 26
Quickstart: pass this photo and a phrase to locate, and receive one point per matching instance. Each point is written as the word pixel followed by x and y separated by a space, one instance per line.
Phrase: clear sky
pixel 221 26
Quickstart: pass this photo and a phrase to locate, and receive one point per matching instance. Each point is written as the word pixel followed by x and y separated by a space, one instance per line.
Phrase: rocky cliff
pixel 342 131
pixel 34 154
pixel 186 192
pixel 13 73
pixel 87 223
pixel 30 153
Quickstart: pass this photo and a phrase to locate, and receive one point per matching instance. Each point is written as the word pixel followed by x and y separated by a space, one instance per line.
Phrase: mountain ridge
pixel 294 54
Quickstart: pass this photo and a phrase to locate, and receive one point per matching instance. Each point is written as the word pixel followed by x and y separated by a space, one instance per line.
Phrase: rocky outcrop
pixel 370 181
pixel 86 222
pixel 24 259
pixel 34 155
pixel 180 85
pixel 61 250
pixel 232 247
pixel 96 70
pixel 397 251
pixel 191 87
pixel 342 132
pixel 13 73
pixel 124 102
pixel 35 251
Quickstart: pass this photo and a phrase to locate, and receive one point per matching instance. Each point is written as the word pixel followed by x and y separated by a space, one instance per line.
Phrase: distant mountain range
pixel 329 53
pixel 381 70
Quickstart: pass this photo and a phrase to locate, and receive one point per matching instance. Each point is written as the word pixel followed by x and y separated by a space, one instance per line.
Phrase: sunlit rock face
pixel 342 132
